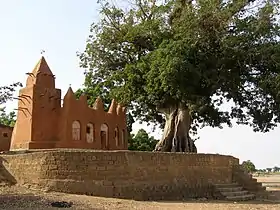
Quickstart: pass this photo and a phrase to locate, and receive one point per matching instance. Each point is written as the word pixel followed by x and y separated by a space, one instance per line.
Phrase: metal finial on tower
pixel 42 52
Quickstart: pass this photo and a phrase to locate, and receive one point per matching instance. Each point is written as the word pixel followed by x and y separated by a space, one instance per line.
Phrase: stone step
pixel 247 178
pixel 241 197
pixel 235 193
pixel 256 185
pixel 262 188
pixel 228 185
pixel 230 189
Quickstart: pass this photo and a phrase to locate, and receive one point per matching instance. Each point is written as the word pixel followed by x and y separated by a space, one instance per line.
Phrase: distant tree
pixel 248 166
pixel 268 170
pixel 276 169
pixel 142 141
pixel 7 119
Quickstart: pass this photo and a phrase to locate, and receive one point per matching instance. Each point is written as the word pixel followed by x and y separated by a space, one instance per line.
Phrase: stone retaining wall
pixel 123 174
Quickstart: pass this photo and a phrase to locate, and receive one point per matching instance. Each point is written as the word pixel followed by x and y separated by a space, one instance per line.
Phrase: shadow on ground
pixel 29 201
pixel 5 176
pixel 44 201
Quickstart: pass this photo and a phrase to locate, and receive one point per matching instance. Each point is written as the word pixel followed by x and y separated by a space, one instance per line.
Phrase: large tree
pixel 176 62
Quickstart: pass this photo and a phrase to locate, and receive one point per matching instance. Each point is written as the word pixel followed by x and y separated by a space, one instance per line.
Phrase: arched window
pixel 104 136
pixel 90 132
pixel 117 136
pixel 76 130
pixel 123 136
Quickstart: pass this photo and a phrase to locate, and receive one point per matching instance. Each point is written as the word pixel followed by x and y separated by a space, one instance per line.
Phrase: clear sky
pixel 61 27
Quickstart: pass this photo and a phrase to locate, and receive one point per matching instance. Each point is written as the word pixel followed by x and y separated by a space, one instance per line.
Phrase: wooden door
pixel 103 135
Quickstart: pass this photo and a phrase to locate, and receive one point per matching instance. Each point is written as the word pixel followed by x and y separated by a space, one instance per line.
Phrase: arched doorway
pixel 76 130
pixel 90 133
pixel 123 137
pixel 117 139
pixel 104 136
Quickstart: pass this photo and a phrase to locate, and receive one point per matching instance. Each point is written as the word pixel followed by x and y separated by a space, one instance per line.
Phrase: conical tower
pixel 38 107
pixel 41 75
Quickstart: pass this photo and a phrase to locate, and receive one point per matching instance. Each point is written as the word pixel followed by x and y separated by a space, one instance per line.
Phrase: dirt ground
pixel 22 198
pixel 269 178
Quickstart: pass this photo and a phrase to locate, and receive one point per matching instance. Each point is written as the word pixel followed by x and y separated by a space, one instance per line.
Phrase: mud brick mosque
pixel 44 123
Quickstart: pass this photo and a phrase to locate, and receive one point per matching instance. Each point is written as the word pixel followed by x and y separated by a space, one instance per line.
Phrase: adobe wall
pixel 96 117
pixel 43 124
pixel 5 137
pixel 123 174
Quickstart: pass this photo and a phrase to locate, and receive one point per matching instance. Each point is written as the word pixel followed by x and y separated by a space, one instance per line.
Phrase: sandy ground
pixel 269 178
pixel 22 198
pixel 16 197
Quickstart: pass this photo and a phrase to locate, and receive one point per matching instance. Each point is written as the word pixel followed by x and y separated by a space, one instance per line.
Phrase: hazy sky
pixel 61 27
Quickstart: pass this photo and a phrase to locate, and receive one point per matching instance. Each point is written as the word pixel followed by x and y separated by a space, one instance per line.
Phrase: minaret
pixel 38 108
pixel 41 75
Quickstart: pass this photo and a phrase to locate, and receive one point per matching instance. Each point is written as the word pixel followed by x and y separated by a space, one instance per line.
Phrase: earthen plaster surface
pixel 46 121
pixel 5 137
pixel 122 174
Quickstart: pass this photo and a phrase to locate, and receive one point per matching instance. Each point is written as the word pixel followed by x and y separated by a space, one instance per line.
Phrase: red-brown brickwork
pixel 5 137
pixel 42 123
pixel 123 174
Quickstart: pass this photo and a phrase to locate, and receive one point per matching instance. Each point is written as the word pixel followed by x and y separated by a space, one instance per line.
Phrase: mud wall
pixel 123 174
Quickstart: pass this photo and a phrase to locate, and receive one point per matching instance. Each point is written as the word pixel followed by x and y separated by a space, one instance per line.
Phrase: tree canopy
pixel 6 94
pixel 8 119
pixel 248 166
pixel 276 169
pixel 142 141
pixel 159 56
pixel 269 169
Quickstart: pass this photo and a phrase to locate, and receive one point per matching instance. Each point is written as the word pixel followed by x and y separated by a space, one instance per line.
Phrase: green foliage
pixel 142 141
pixel 268 170
pixel 162 54
pixel 248 166
pixel 276 169
pixel 6 92
pixel 7 119
pixel 261 170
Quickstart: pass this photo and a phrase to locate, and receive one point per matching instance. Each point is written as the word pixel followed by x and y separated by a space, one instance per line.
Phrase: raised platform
pixel 33 145
pixel 123 174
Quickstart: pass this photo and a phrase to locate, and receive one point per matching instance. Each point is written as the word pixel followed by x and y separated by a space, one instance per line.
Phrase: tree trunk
pixel 175 136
